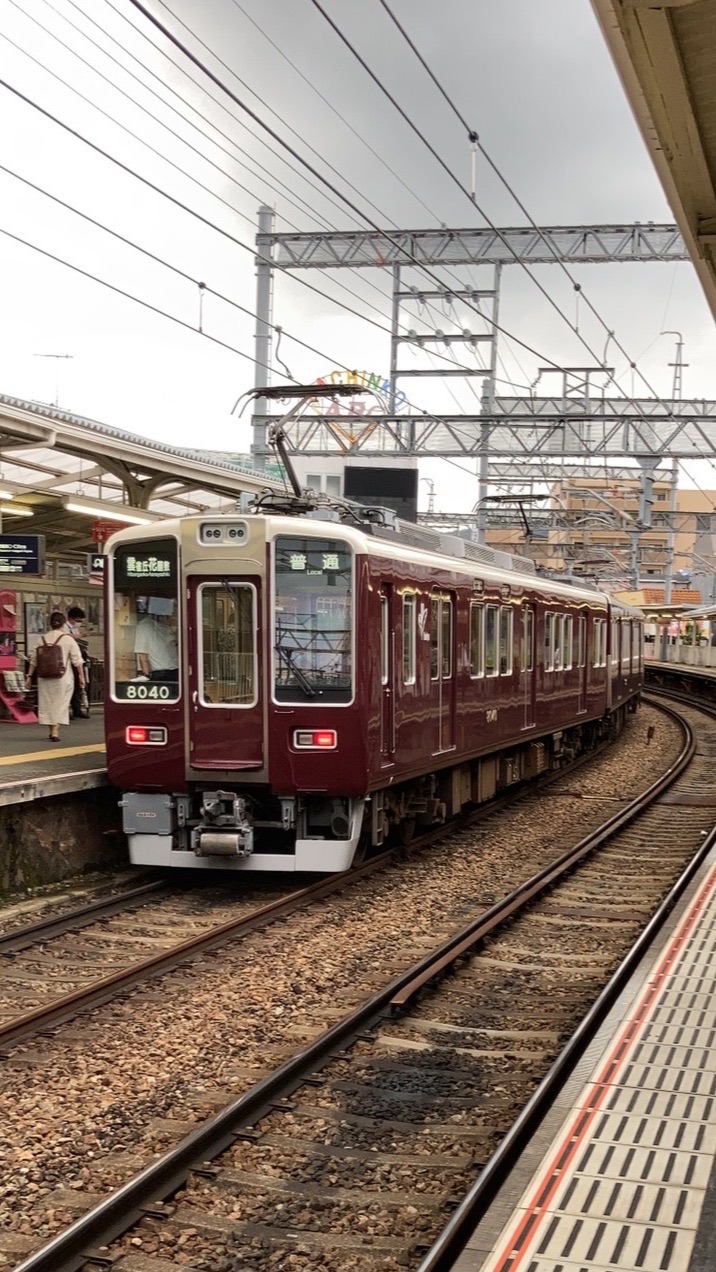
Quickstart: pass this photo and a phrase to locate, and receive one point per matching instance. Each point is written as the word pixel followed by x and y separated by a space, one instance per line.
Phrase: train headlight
pixel 145 735
pixel 315 739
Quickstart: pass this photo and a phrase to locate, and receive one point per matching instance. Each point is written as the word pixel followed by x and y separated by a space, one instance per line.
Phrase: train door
pixel 442 669
pixel 225 725
pixel 529 671
pixel 582 662
pixel 387 676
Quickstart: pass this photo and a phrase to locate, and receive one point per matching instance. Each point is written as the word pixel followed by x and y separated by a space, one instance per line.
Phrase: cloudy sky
pixel 91 76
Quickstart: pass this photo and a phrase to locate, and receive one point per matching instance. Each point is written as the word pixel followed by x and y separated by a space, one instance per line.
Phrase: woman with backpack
pixel 53 659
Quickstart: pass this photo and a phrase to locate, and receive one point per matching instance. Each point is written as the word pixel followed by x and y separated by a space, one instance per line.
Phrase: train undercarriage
pixel 257 830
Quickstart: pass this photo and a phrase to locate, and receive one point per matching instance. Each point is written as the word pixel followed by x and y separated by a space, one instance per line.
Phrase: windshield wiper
pixel 287 652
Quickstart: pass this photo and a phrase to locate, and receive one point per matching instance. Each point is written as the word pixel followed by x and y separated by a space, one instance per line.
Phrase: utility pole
pixel 262 336
pixel 676 392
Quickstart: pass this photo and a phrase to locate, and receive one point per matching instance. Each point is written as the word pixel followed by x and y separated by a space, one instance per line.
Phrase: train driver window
pixel 409 610
pixel 227 614
pixel 492 666
pixel 145 635
pixel 477 640
pixel 313 620
pixel 505 640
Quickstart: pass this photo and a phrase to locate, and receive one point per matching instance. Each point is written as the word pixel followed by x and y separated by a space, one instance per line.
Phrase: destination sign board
pixel 22 554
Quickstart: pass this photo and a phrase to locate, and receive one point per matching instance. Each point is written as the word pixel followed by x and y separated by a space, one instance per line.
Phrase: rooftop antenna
pixel 58 356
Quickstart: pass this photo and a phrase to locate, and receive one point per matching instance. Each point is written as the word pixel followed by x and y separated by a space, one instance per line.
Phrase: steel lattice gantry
pixel 584 426
pixel 646 428
pixel 578 244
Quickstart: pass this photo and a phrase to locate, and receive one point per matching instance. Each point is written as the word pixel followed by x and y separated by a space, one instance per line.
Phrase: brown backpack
pixel 50 662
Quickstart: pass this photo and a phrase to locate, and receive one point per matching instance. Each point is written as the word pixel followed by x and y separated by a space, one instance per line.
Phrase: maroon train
pixel 286 690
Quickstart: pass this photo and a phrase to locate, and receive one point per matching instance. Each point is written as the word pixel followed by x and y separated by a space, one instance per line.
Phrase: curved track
pixel 343 1155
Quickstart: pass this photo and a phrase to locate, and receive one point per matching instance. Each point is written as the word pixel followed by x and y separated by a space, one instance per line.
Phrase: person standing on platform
pixel 55 674
pixel 79 704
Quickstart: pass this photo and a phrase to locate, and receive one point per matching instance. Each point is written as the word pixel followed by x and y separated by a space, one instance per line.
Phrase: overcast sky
pixel 534 80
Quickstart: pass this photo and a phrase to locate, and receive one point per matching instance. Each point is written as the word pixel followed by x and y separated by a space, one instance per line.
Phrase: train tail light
pixel 315 739
pixel 145 735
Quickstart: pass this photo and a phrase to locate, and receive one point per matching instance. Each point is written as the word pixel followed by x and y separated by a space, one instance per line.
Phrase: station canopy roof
pixel 665 52
pixel 51 460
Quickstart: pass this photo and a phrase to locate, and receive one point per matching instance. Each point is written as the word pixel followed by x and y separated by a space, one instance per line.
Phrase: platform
pixel 32 767
pixel 621 1175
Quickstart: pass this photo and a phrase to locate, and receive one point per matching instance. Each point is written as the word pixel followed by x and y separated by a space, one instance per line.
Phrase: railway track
pixel 153 914
pixel 353 1153
pixel 120 943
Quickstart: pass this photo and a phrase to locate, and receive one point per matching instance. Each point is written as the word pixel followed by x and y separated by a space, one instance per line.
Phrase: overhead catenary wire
pixel 137 4
pixel 336 112
pixel 475 140
pixel 304 162
pixel 254 194
pixel 270 177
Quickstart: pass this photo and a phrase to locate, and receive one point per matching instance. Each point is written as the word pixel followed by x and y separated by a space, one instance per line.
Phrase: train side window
pixel 384 639
pixel 227 645
pixel 409 639
pixel 505 641
pixel 477 640
pixel 615 642
pixel 447 639
pixel 600 642
pixel 582 641
pixel 558 641
pixel 528 626
pixel 626 645
pixel 549 642
pixel 568 642
pixel 636 639
pixel 434 637
pixel 491 661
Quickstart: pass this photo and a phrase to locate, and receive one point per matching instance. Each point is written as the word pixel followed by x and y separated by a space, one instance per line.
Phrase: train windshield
pixel 313 620
pixel 145 621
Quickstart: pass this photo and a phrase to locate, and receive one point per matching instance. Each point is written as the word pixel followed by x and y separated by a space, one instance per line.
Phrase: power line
pixel 272 133
pixel 336 112
pixel 148 88
pixel 259 99
pixel 172 199
pixel 475 140
pixel 258 197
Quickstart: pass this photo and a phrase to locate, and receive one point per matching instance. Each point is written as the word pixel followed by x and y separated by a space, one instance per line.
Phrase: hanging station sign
pixel 22 554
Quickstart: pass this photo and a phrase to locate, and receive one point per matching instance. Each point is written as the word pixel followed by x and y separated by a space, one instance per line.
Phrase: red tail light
pixel 315 739
pixel 142 735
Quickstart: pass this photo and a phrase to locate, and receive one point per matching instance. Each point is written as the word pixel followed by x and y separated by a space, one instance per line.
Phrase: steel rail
pixel 121 1209
pixel 462 1223
pixel 63 1009
pixel 44 929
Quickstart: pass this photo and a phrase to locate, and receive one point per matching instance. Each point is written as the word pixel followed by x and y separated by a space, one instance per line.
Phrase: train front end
pixel 234 722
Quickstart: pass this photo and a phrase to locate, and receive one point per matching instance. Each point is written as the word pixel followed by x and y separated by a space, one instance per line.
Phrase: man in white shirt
pixel 156 649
